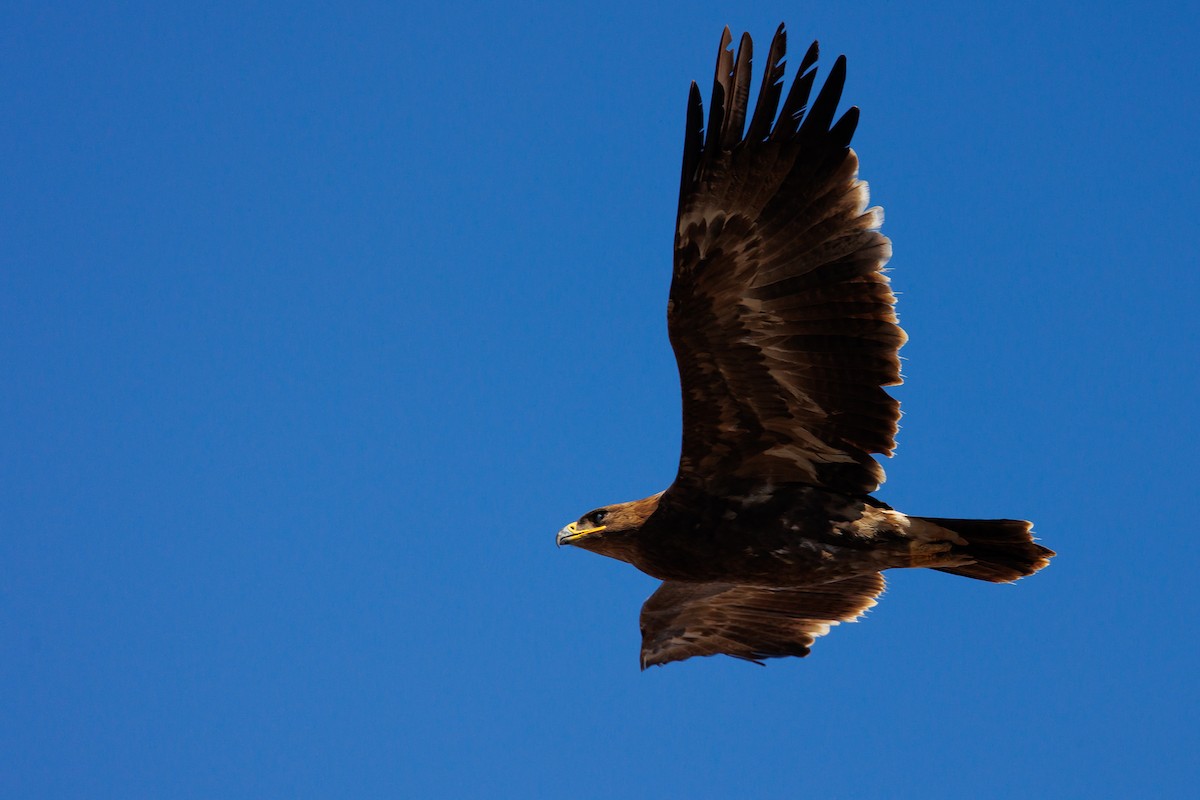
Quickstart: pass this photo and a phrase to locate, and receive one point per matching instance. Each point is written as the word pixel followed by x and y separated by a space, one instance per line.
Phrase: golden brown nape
pixel 610 530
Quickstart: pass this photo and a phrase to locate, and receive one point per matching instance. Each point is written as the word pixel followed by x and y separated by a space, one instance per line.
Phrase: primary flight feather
pixel 785 334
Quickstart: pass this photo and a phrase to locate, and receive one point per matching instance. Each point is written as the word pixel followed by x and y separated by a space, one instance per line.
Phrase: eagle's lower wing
pixel 780 315
pixel 682 620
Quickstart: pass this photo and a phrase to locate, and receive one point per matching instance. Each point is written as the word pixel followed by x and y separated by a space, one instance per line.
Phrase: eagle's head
pixel 610 530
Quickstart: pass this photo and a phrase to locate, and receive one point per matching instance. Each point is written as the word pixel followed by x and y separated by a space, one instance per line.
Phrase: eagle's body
pixel 784 331
pixel 781 536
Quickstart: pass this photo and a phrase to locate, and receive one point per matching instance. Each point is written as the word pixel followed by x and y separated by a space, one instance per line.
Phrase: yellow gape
pixel 574 531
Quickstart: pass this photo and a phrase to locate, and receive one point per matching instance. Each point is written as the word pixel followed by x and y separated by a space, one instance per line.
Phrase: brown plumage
pixel 785 334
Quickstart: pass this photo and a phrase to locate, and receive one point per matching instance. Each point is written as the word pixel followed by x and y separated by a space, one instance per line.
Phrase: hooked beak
pixel 573 533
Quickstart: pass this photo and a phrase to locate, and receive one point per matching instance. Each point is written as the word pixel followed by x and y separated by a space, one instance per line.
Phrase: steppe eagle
pixel 784 332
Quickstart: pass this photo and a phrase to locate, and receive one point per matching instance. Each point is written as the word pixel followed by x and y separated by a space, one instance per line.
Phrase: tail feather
pixel 1003 550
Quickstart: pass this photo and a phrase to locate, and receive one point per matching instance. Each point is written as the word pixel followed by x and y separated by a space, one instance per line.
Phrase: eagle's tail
pixel 1003 549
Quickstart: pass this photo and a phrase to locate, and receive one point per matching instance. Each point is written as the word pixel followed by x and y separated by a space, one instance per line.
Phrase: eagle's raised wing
pixel 682 620
pixel 780 315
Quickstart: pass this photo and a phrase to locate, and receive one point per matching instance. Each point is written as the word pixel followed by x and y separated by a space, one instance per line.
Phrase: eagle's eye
pixel 597 516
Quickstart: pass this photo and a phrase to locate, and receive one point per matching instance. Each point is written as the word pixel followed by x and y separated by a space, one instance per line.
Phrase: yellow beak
pixel 573 533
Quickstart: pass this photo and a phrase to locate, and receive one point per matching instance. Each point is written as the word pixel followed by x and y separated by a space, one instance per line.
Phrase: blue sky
pixel 318 320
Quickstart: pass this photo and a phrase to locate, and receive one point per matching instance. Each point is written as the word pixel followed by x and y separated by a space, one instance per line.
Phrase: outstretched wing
pixel 780 315
pixel 682 620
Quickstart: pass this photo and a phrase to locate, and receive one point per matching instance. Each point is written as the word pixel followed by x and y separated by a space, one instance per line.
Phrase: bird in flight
pixel 785 334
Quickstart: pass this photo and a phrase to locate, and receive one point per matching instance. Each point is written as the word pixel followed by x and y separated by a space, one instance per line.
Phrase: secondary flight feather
pixel 785 333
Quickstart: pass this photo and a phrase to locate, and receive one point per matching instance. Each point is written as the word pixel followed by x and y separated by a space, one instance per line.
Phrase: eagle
pixel 785 335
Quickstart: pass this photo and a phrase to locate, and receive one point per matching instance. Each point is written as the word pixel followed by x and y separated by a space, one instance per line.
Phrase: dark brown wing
pixel 682 620
pixel 780 315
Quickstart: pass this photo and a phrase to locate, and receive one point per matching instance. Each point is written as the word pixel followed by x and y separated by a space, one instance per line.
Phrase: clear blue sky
pixel 318 320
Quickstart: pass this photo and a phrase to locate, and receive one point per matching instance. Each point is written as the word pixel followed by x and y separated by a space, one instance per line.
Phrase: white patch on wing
pixel 763 494
pixel 804 458
pixel 817 629
pixel 703 217
pixel 876 217
pixel 706 227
